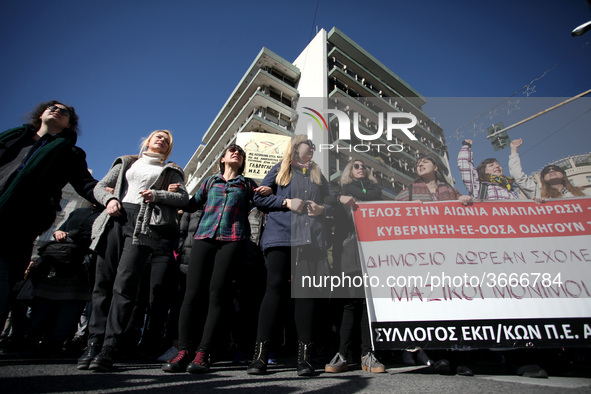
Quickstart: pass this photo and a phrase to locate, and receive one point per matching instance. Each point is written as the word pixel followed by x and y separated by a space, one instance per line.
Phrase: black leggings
pixel 208 280
pixel 354 313
pixel 277 293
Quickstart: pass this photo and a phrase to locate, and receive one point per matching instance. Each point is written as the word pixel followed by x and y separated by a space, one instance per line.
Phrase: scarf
pixel 37 163
pixel 502 181
pixel 303 166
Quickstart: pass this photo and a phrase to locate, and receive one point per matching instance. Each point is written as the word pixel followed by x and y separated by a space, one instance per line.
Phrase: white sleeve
pixel 527 185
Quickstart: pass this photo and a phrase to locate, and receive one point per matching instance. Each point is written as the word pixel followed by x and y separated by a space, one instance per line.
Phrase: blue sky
pixel 130 67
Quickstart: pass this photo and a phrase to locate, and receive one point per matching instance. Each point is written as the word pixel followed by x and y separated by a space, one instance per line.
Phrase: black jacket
pixel 32 208
pixel 345 252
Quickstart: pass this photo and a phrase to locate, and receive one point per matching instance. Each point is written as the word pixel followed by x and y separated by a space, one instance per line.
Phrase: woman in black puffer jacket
pixel 357 184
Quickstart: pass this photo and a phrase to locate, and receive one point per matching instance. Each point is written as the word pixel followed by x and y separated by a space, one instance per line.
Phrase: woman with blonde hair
pixel 357 184
pixel 123 238
pixel 294 239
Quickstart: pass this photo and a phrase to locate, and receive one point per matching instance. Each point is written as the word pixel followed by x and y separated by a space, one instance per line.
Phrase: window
pixel 272 115
pixel 284 121
pixel 275 94
pixel 280 76
pixel 280 96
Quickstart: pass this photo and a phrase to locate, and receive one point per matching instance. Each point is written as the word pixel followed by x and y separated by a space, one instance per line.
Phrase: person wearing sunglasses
pixel 356 184
pixel 555 184
pixel 487 182
pixel 553 180
pixel 36 161
pixel 431 185
pixel 295 245
pixel 218 244
pixel 123 239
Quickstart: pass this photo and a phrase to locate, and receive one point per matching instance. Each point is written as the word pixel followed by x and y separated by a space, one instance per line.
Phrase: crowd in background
pixel 149 271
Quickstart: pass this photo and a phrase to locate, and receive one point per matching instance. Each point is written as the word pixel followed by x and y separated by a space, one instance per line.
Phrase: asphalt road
pixel 46 375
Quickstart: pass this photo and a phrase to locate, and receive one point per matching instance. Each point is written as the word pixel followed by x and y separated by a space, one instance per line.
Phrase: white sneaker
pixel 169 354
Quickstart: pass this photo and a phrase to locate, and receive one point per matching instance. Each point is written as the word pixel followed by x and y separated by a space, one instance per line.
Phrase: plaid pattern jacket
pixel 420 192
pixel 225 208
pixel 473 184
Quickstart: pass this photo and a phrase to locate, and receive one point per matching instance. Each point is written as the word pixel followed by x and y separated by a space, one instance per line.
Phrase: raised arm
pixel 524 182
pixel 467 170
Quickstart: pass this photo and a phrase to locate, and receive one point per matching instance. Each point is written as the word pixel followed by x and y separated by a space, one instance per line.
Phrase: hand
pixel 148 195
pixel 263 190
pixel 465 200
pixel 174 187
pixel 347 201
pixel 114 208
pixel 110 190
pixel 515 144
pixel 295 205
pixel 314 209
pixel 539 200
pixel 31 266
pixel 60 235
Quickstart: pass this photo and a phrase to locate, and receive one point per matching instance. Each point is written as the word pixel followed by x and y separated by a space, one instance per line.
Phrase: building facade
pixel 333 85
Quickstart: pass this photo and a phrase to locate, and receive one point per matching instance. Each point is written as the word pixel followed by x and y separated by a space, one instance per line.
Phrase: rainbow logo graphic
pixel 315 118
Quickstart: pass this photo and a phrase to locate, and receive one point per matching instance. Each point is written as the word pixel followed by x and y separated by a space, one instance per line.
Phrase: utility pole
pixel 539 114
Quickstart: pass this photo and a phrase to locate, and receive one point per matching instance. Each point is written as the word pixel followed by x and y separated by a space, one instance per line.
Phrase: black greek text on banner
pixel 493 274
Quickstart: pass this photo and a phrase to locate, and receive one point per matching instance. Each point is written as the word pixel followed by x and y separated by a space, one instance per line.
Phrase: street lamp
pixel 580 30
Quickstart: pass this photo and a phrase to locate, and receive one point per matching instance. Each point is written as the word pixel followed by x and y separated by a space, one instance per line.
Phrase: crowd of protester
pixel 149 271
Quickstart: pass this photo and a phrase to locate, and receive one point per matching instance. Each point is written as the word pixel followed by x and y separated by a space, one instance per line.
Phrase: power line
pixel 504 130
pixel 556 131
pixel 528 88
pixel 314 21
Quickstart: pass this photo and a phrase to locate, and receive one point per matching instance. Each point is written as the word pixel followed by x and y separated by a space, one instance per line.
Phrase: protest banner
pixel 263 151
pixel 492 274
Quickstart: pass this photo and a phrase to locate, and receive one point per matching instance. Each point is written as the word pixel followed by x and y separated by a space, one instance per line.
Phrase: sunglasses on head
pixel 234 149
pixel 358 166
pixel 61 110
pixel 310 144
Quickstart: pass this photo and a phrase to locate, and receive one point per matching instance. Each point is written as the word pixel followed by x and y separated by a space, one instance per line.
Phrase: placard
pixel 263 151
pixel 493 274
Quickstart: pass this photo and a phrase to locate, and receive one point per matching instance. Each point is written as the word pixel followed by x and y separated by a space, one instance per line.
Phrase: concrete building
pixel 338 82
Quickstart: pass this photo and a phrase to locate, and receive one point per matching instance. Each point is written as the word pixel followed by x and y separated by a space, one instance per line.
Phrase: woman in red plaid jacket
pixel 431 185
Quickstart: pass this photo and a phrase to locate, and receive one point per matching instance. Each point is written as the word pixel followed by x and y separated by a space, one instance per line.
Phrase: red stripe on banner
pixel 491 219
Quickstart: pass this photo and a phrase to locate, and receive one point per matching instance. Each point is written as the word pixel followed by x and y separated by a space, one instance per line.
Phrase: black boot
pixel 259 360
pixel 304 355
pixel 103 362
pixel 91 351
